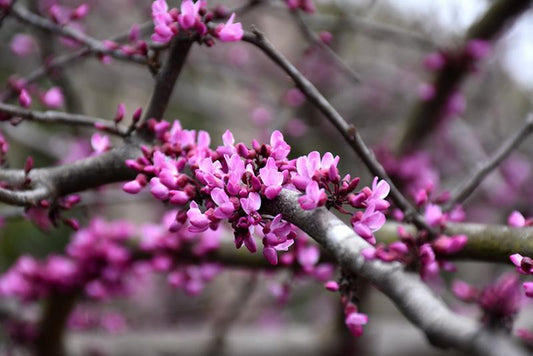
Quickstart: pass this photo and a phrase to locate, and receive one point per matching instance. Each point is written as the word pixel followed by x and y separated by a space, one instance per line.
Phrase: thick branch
pixel 62 118
pixel 347 130
pixel 484 168
pixel 53 182
pixel 414 298
pixel 167 77
pixel 486 243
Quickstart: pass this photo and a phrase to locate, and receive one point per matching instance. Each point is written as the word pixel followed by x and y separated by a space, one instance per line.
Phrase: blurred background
pixel 233 86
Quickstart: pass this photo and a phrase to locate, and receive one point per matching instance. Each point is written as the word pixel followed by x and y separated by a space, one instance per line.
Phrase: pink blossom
pixel 433 215
pixel 100 143
pixel 332 286
pixel 380 190
pixel 280 148
pixel 426 91
pixel 478 49
pixel 449 245
pixel 516 219
pixel 22 45
pixel 369 222
pixel 464 291
pixel 53 98
pixel 199 221
pixel 272 178
pixel 296 127
pixel 158 190
pixel 308 256
pixel 524 265
pixel 355 321
pixel 225 206
pixel 230 31
pixel 261 116
pixel 294 97
pixel 313 197
pixel 189 13
pixel 434 61
pixel 24 99
pixel 251 204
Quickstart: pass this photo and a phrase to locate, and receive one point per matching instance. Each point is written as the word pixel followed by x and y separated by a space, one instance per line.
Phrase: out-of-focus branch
pixel 484 168
pixel 63 61
pixel 93 44
pixel 62 118
pixel 53 182
pixel 348 131
pixel 53 323
pixel 486 243
pixel 414 298
pixel 426 115
pixel 316 41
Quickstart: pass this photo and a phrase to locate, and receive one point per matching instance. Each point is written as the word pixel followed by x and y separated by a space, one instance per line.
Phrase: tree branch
pixel 414 298
pixel 348 131
pixel 484 168
pixel 62 118
pixel 486 243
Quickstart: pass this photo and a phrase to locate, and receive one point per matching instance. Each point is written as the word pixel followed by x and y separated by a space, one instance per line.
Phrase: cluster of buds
pixel 411 250
pixel 230 182
pixel 191 17
pixel 499 301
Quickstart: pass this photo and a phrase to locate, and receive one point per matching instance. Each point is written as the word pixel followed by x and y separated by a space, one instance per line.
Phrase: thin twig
pixel 484 168
pixel 315 40
pixel 347 130
pixel 62 118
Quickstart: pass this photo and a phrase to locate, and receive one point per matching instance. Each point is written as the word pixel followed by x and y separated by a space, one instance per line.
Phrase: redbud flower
pixel 313 197
pixel 433 215
pixel 22 45
pixel 516 219
pixel 100 143
pixel 199 221
pixel 464 291
pixel 24 99
pixel 230 31
pixel 434 61
pixel 121 110
pixel 189 13
pixel 449 245
pixel 272 178
pixel 369 222
pixel 478 49
pixel 332 286
pixel 53 98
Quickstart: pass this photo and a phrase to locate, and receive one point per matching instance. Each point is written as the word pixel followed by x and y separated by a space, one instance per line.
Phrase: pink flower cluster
pixel 467 59
pixel 192 16
pixel 230 182
pixel 412 250
pixel 499 301
pixel 104 258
